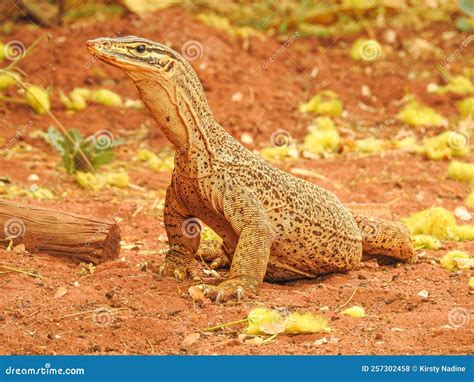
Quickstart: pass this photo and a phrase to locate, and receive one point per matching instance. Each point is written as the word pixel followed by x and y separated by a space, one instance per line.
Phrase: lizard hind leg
pixel 387 241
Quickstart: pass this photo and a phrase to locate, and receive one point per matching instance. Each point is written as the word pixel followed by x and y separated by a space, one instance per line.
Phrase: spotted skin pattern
pixel 274 226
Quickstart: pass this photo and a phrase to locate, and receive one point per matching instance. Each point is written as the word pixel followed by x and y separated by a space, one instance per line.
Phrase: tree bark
pixel 58 233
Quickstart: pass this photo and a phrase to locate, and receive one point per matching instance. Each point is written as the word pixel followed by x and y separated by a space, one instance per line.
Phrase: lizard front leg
pixel 249 220
pixel 184 235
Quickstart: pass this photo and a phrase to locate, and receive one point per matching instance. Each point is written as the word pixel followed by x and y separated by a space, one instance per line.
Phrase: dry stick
pixel 217 327
pixel 12 99
pixel 12 269
pixel 347 302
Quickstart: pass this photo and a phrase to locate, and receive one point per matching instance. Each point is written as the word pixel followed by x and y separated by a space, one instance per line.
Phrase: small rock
pixel 463 214
pixel 33 178
pixel 390 36
pixel 60 292
pixel 2 318
pixel 378 336
pixel 362 277
pixel 247 139
pixel 190 339
pixel 320 342
pixel 365 91
pixel 237 97
pixel 432 87
pixel 255 341
pixel 423 294
pixel 324 309
pixel 110 294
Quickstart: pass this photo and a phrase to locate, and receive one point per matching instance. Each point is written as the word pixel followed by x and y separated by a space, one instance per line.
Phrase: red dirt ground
pixel 155 316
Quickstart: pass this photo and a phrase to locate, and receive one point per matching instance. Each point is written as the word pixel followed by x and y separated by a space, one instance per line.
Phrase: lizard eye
pixel 140 48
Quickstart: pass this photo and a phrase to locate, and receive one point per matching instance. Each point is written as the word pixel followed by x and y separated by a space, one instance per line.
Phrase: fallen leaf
pixel 354 311
pixel 196 294
pixel 190 339
pixel 60 292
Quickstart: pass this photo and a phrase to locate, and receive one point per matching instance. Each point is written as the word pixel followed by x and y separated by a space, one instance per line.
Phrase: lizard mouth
pixel 105 50
pixel 101 50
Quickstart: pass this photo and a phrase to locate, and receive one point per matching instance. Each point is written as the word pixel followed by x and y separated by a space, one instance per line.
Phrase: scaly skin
pixel 274 226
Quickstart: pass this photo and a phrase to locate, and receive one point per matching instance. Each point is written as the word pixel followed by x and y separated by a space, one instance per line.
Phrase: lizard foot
pixel 228 290
pixel 178 267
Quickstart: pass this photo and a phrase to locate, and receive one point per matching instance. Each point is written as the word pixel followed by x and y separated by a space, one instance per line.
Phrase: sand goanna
pixel 274 226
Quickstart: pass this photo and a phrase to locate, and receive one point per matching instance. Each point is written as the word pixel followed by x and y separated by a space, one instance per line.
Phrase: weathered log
pixel 58 233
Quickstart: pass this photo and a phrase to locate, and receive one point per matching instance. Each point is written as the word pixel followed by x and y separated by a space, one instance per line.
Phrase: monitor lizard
pixel 274 226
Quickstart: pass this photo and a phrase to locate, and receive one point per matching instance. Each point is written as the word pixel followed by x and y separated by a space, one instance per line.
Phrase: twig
pixel 12 99
pixel 151 346
pixel 347 302
pixel 12 269
pixel 217 327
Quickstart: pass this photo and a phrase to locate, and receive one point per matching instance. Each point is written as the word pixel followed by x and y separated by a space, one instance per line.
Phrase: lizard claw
pixel 161 271
pixel 226 291
pixel 178 275
pixel 178 268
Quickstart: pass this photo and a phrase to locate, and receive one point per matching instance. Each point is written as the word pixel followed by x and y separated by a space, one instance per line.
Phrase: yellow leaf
pixel 106 97
pixel 415 114
pixel 9 78
pixel 38 99
pixel 354 311
pixel 456 260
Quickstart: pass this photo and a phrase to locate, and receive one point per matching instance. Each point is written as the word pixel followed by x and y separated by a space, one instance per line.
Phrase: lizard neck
pixel 183 115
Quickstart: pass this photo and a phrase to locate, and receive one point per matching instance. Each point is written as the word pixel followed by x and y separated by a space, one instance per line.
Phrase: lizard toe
pixel 226 291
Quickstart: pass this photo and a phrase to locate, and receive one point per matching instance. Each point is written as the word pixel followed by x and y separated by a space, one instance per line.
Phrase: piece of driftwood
pixel 58 233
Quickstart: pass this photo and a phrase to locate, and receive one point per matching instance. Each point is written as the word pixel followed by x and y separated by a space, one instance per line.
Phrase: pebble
pixel 423 294
pixel 237 97
pixel 390 36
pixel 33 178
pixel 247 139
pixel 463 214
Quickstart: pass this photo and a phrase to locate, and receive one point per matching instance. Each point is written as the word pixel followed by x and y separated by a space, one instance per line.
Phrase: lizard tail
pixel 385 240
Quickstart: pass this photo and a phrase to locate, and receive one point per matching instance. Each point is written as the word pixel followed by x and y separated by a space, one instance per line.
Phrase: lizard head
pixel 167 83
pixel 136 55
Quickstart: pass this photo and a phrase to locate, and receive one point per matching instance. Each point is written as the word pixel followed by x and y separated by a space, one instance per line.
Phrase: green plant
pixel 75 149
